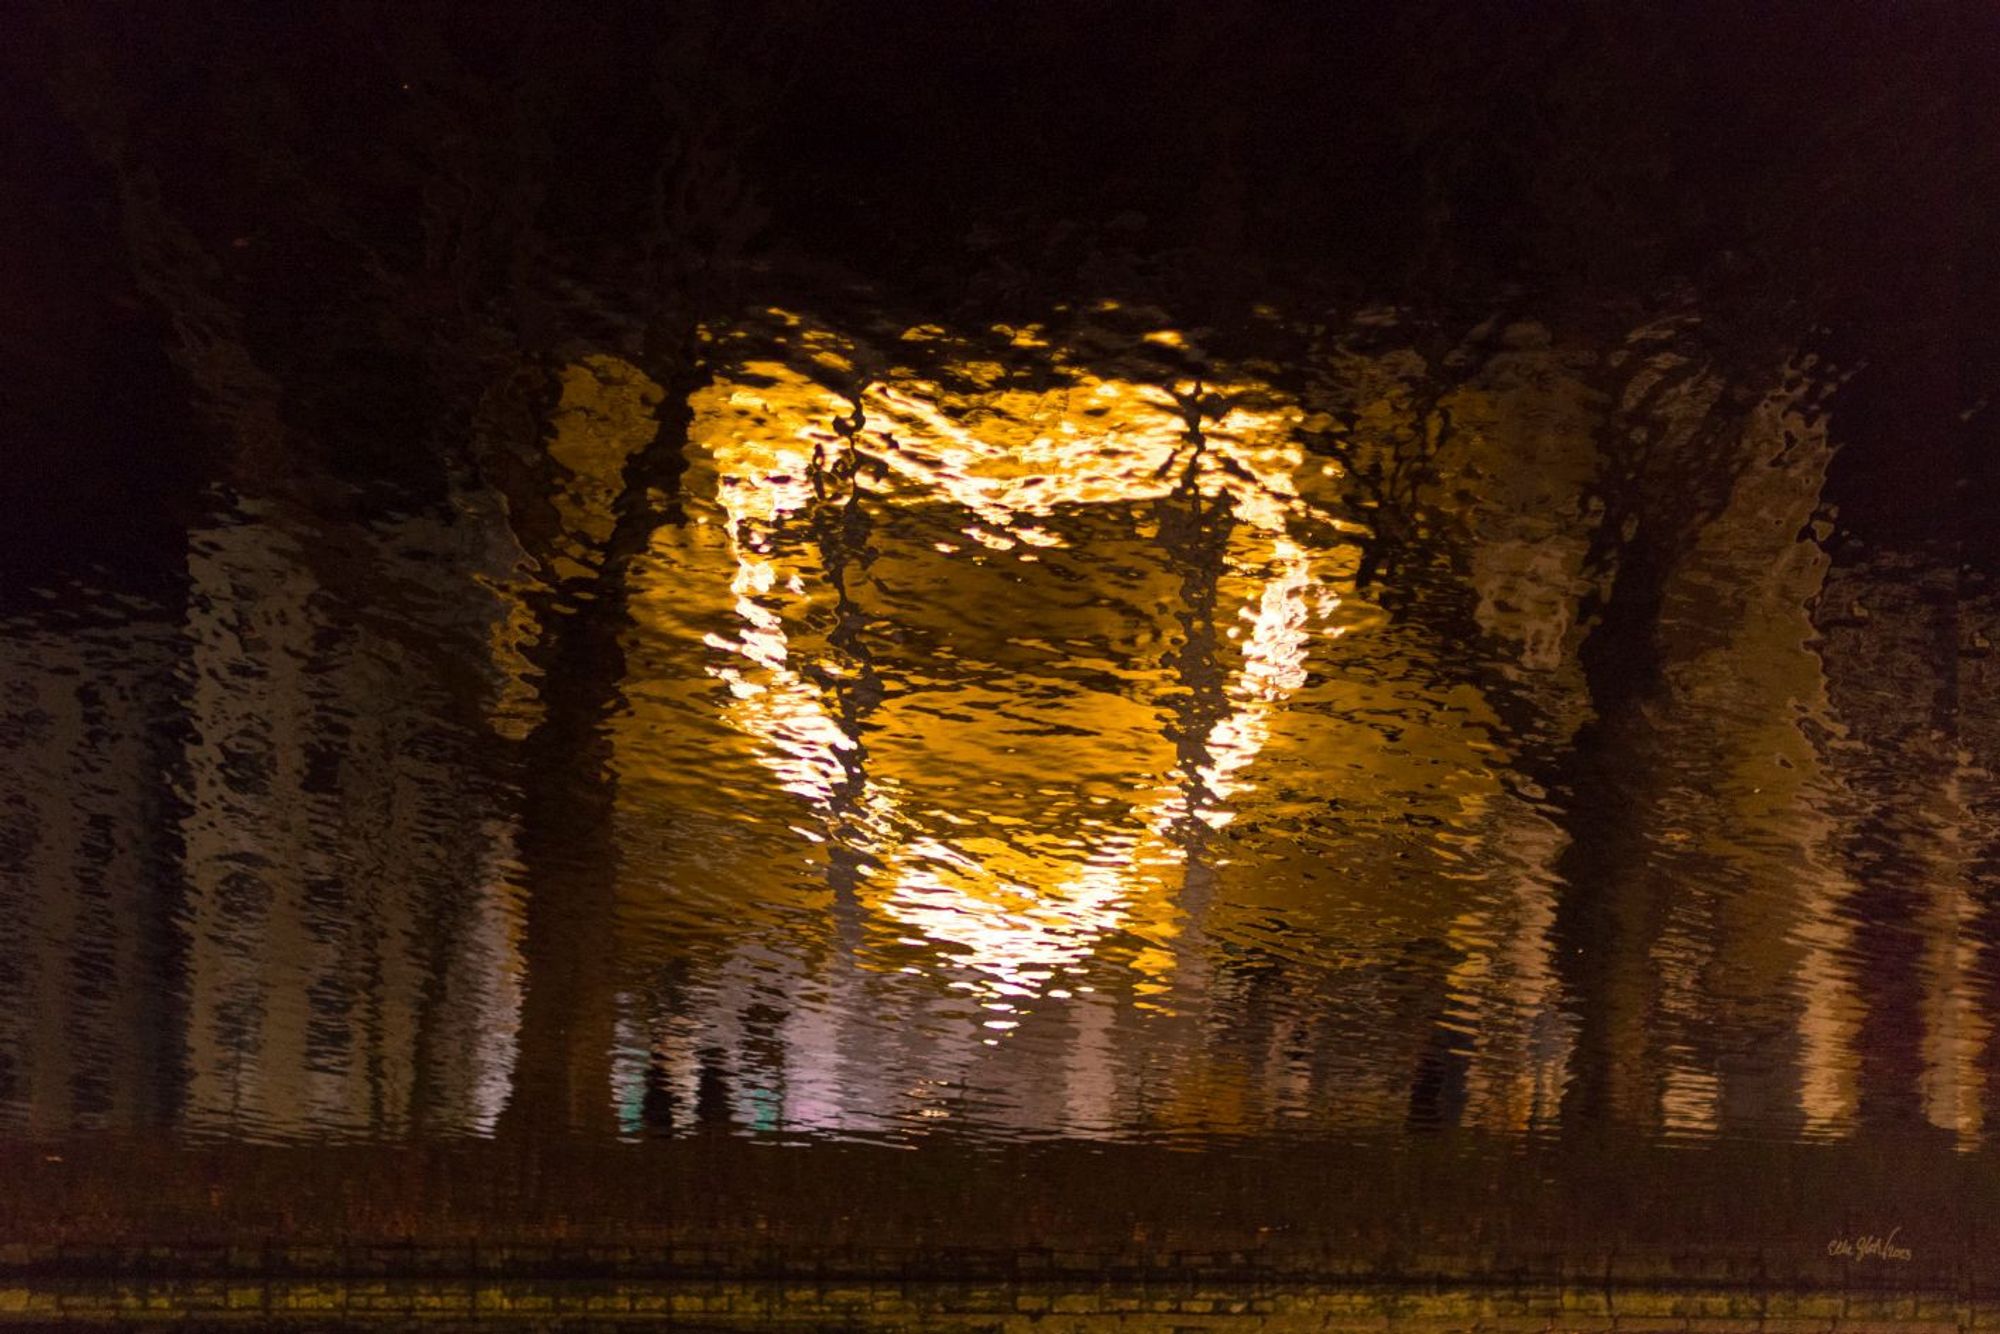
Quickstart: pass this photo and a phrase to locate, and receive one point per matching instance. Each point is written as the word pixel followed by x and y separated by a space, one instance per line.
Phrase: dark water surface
pixel 1056 731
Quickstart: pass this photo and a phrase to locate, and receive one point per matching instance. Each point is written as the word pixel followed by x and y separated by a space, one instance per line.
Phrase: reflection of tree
pixel 378 286
pixel 1667 454
pixel 1698 915
pixel 1564 518
pixel 1193 529
pixel 567 771
pixel 847 674
pixel 1892 649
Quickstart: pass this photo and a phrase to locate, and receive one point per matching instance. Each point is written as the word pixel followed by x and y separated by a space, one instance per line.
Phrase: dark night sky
pixel 1805 166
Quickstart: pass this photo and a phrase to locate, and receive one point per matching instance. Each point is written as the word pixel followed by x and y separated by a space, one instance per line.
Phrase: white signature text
pixel 1868 1247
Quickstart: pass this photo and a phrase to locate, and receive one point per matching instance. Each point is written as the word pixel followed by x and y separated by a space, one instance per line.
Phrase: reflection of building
pixel 86 880
pixel 1033 758
pixel 349 959
pixel 248 883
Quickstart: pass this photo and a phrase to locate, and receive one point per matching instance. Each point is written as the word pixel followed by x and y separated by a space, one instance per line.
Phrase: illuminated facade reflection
pixel 1033 732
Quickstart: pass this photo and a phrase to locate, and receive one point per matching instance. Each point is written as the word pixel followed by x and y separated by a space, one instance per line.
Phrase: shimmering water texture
pixel 1024 732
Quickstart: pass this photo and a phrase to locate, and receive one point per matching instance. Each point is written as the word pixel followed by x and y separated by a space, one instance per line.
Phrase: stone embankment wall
pixel 1445 1233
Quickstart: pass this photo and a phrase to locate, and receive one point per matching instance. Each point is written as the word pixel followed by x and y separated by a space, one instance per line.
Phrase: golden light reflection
pixel 604 415
pixel 1013 818
pixel 977 688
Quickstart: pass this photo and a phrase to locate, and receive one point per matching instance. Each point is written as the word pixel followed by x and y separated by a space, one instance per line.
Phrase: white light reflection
pixel 1015 912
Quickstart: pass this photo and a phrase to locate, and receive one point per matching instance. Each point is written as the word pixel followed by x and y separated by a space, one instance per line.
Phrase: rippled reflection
pixel 1040 730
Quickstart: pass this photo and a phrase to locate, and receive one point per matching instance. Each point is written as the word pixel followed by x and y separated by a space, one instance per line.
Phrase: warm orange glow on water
pixel 1008 816
pixel 1044 698
pixel 1036 731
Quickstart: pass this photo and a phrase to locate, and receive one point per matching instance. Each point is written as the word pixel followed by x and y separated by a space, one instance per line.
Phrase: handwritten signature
pixel 1868 1247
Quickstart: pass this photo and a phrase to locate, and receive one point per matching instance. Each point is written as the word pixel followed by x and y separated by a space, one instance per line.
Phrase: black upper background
pixel 1822 171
